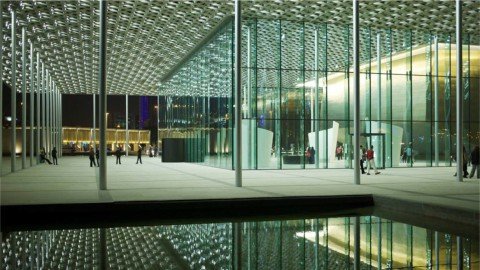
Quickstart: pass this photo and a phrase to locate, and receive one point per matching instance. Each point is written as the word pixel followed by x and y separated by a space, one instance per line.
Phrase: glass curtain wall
pixel 297 96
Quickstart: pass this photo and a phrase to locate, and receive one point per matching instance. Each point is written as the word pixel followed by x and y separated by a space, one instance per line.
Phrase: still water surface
pixel 325 243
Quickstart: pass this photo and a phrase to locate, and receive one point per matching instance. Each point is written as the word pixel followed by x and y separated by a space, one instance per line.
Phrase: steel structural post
pixel 47 112
pixel 94 137
pixel 13 134
pixel 459 90
pixel 24 99
pixel 1 92
pixel 32 106
pixel 43 96
pixel 61 121
pixel 436 115
pixel 37 86
pixel 103 94
pixel 356 244
pixel 127 144
pixel 356 89
pixel 238 95
pixel 316 111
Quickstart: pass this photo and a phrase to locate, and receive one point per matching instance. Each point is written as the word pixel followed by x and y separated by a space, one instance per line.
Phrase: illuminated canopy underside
pixel 146 39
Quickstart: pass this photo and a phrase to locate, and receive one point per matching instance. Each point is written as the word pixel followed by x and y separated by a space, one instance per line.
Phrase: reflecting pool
pixel 325 243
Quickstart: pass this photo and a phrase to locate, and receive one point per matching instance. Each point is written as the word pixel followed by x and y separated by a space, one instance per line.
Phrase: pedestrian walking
pixel 362 158
pixel 474 157
pixel 371 161
pixel 54 156
pixel 465 162
pixel 118 154
pixel 43 156
pixel 409 154
pixel 91 156
pixel 97 156
pixel 139 155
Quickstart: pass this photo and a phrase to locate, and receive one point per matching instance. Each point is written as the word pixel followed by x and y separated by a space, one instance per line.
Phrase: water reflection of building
pixel 325 243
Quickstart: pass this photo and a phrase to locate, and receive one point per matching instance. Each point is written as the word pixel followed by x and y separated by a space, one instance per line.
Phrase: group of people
pixel 43 156
pixel 474 159
pixel 407 154
pixel 94 156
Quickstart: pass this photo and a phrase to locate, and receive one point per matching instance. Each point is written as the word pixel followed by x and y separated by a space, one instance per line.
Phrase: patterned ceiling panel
pixel 147 38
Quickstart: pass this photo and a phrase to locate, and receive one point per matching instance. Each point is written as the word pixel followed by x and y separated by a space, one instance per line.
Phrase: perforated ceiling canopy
pixel 146 39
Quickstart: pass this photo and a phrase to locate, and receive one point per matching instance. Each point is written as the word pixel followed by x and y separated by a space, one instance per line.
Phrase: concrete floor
pixel 73 181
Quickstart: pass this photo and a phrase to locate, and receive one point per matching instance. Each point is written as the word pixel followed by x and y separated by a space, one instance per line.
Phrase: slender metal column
pixel 55 97
pixel 379 253
pixel 127 148
pixel 47 112
pixel 43 96
pixel 102 73
pixel 250 155
pixel 356 245
pixel 24 99
pixel 436 119
pixel 459 91
pixel 238 95
pixel 55 116
pixel 94 137
pixel 32 106
pixel 61 122
pixel 459 253
pixel 356 89
pixel 1 92
pixel 158 120
pixel 316 107
pixel 51 108
pixel 37 88
pixel 379 77
pixel 437 251
pixel 13 139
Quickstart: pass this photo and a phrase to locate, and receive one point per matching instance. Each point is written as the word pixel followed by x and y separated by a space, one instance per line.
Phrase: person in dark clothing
pixel 139 155
pixel 97 155
pixel 91 156
pixel 150 154
pixel 362 158
pixel 54 156
pixel 118 154
pixel 43 156
pixel 474 157
pixel 155 151
pixel 465 163
pixel 312 155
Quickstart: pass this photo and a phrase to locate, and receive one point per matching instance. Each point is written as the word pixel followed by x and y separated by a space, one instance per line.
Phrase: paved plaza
pixel 73 181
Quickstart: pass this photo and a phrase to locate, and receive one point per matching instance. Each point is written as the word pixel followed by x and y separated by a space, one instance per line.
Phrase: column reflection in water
pixel 325 243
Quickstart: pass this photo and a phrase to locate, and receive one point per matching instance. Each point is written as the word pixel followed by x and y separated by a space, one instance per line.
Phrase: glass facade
pixel 297 96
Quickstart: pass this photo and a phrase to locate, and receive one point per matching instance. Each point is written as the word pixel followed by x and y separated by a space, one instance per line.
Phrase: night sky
pixel 78 109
